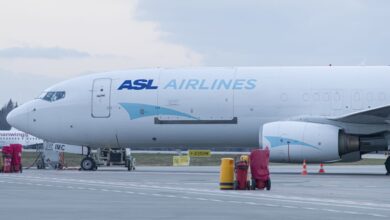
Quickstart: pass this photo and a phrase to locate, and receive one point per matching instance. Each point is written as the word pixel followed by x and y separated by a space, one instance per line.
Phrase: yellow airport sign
pixel 199 153
pixel 181 160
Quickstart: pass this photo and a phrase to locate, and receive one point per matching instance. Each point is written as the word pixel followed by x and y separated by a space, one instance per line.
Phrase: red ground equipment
pixel 12 158
pixel 7 158
pixel 16 163
pixel 241 172
pixel 259 160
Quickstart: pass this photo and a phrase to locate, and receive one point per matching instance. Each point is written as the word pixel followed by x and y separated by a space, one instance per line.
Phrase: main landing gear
pixel 88 163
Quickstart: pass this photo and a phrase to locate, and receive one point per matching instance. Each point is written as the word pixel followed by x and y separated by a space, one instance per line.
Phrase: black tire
pixel 129 165
pixel 387 165
pixel 88 164
pixel 248 185
pixel 253 184
pixel 235 185
pixel 268 184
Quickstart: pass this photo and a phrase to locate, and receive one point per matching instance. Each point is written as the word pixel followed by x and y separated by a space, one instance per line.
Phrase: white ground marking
pixel 331 210
pixel 198 198
pixel 334 202
pixel 289 206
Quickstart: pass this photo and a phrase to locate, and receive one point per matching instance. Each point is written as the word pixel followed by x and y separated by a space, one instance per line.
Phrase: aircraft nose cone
pixel 18 118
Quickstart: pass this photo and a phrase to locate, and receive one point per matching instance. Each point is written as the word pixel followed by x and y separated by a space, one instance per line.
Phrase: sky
pixel 44 41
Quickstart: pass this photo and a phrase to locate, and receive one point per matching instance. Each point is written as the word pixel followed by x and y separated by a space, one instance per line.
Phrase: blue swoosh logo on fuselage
pixel 138 110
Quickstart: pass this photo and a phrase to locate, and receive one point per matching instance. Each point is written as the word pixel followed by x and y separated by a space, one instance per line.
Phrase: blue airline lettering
pixel 191 84
pixel 138 84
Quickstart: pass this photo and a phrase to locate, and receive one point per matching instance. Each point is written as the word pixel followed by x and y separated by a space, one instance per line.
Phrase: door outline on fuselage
pixel 99 94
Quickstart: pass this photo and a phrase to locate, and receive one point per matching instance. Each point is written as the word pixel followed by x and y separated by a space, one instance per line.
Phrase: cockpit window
pixel 52 96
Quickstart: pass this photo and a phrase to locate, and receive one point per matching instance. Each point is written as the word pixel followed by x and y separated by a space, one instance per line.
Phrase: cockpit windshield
pixel 52 96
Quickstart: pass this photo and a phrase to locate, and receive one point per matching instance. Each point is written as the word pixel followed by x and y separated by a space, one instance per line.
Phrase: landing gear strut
pixel 88 163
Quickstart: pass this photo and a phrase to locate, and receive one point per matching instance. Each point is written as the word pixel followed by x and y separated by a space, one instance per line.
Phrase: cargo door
pixel 101 95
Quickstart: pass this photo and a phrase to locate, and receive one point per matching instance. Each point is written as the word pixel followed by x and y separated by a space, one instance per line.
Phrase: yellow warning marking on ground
pixel 199 153
pixel 181 160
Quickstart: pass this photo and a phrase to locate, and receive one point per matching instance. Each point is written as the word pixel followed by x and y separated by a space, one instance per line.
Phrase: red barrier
pixel 12 158
pixel 241 170
pixel 259 160
pixel 7 158
pixel 16 163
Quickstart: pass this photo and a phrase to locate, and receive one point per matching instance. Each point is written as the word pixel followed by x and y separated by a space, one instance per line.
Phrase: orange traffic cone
pixel 321 168
pixel 304 171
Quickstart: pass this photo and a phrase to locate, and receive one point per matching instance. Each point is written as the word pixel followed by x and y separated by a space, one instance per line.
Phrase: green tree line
pixel 4 112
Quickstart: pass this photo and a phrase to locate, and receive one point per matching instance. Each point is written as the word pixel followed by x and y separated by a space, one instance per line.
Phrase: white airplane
pixel 317 114
pixel 14 136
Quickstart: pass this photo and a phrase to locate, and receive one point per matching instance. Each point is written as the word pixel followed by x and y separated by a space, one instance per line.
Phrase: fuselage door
pixel 101 98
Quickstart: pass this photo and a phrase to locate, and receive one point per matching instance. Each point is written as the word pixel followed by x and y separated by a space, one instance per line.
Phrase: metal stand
pixel 115 157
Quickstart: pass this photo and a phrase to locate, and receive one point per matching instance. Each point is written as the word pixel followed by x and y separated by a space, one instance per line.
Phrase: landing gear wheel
pixel 88 164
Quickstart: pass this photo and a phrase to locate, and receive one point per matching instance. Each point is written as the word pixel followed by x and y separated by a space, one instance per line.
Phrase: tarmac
pixel 343 192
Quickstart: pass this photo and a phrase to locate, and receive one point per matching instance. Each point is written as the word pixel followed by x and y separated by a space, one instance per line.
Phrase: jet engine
pixel 292 141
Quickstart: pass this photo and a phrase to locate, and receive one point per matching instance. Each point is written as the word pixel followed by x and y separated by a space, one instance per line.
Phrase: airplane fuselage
pixel 202 107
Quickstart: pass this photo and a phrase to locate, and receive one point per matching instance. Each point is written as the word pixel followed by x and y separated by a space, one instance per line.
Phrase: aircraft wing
pixel 379 115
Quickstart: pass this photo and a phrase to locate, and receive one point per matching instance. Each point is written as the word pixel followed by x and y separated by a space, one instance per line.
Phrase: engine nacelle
pixel 292 141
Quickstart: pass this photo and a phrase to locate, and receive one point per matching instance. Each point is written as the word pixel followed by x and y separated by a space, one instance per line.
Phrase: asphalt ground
pixel 343 192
